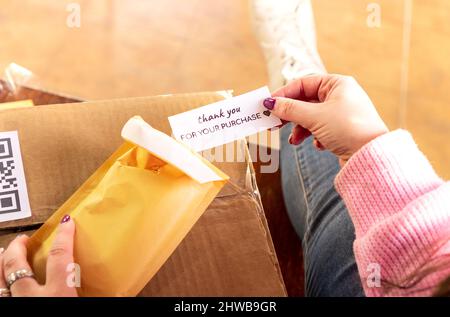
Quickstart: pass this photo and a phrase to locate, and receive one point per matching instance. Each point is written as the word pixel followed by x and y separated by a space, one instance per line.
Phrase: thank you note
pixel 224 121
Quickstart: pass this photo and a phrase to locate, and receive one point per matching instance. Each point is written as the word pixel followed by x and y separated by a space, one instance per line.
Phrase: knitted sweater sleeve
pixel 401 212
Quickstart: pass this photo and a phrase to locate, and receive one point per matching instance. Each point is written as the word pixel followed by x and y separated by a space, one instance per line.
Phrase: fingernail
pixel 269 103
pixel 1 250
pixel 291 141
pixel 318 145
pixel 65 219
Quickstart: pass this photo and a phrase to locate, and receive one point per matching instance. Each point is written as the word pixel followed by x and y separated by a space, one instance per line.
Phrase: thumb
pixel 292 110
pixel 61 253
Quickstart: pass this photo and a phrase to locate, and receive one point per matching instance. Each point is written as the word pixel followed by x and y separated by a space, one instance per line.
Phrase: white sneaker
pixel 286 33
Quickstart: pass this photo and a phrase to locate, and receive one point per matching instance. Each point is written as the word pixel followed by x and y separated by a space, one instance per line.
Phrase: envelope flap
pixel 139 132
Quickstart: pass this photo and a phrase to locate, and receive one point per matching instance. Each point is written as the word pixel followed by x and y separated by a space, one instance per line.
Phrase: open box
pixel 229 251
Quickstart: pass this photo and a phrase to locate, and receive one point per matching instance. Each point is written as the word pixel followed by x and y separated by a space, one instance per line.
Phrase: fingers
pixel 318 145
pixel 308 88
pixel 15 259
pixel 283 123
pixel 61 254
pixel 298 135
pixel 2 277
pixel 292 110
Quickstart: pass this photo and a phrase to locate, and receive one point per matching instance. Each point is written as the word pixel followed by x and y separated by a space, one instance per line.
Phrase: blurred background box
pixel 37 96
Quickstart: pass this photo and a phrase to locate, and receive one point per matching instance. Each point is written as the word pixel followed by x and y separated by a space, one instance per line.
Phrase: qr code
pixel 9 193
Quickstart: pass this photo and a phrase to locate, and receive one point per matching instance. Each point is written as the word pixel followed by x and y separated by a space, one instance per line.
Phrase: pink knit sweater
pixel 401 212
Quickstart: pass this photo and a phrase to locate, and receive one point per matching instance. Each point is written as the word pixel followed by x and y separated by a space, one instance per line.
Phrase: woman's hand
pixel 14 258
pixel 333 108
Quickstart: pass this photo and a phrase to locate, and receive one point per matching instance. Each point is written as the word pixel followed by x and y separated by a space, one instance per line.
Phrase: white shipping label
pixel 14 202
pixel 224 121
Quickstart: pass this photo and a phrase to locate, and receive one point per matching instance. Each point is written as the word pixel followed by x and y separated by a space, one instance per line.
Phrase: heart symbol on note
pixel 267 113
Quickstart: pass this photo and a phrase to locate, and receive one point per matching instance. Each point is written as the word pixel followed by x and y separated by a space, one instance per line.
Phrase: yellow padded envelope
pixel 132 212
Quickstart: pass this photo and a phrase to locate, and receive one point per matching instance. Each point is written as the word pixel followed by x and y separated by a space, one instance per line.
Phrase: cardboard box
pixel 229 252
pixel 39 97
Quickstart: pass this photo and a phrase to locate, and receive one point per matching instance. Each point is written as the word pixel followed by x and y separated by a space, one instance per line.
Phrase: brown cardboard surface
pixel 229 252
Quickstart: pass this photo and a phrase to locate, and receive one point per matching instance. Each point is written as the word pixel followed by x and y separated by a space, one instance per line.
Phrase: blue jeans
pixel 320 219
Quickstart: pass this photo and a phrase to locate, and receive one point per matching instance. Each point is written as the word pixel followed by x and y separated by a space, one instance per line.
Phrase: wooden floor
pixel 412 92
pixel 133 47
pixel 136 48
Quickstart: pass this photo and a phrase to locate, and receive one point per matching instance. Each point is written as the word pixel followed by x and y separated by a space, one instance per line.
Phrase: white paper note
pixel 224 121
pixel 14 202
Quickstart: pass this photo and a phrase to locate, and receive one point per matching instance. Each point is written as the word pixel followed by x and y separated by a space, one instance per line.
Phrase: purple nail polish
pixel 269 103
pixel 291 139
pixel 65 219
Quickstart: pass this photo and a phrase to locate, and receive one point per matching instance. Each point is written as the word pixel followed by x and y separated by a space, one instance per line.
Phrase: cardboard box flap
pixel 140 133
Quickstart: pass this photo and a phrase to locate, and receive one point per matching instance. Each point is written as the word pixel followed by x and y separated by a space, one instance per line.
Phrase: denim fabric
pixel 320 219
